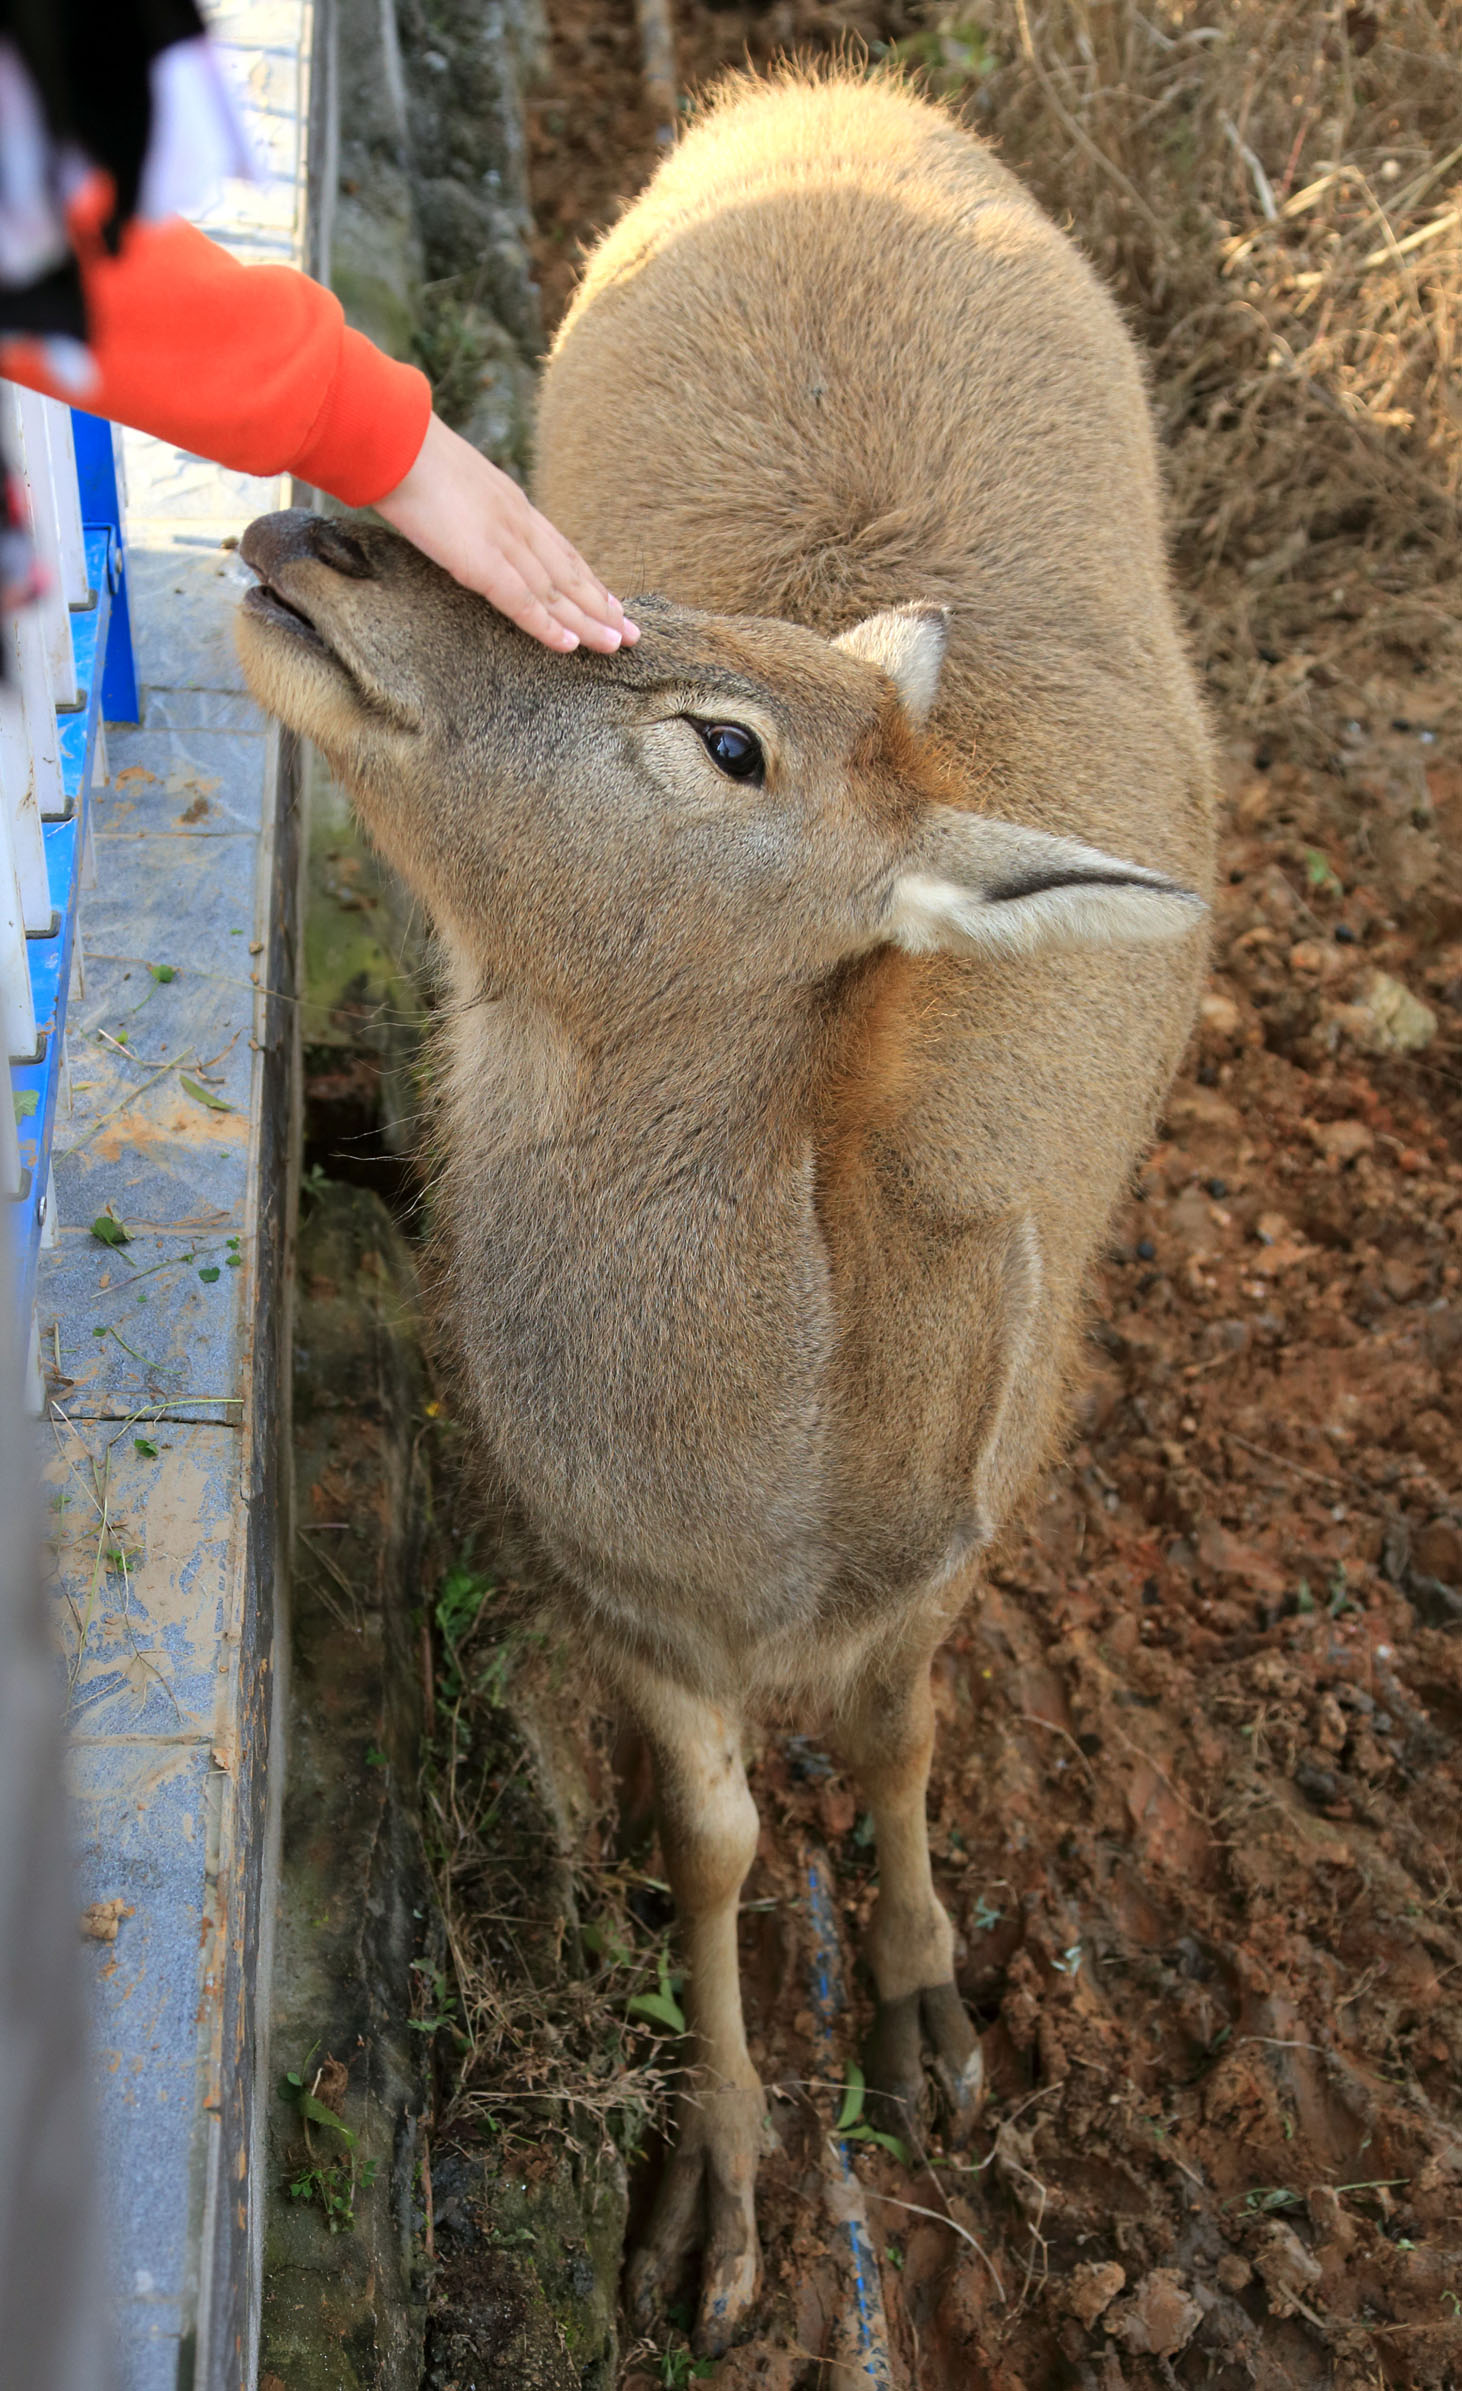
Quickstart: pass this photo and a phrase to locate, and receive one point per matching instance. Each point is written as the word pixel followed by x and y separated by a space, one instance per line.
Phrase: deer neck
pixel 642 1290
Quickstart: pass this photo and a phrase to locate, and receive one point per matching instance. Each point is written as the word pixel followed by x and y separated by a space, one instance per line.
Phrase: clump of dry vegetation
pixel 552 1981
pixel 1274 189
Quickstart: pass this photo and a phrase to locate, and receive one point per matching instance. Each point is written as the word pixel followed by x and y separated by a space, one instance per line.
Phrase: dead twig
pixel 429 2229
pixel 915 2209
pixel 657 45
pixel 1317 1477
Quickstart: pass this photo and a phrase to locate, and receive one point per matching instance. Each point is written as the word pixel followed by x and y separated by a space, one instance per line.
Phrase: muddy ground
pixel 1196 1808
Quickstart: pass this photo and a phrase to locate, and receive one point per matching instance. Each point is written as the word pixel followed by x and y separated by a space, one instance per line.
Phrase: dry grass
pixel 1275 192
pixel 544 1946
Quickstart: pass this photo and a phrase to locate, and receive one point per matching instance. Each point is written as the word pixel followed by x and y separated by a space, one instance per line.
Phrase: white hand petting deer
pixel 816 971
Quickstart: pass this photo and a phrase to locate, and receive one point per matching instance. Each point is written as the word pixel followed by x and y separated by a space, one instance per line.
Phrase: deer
pixel 814 973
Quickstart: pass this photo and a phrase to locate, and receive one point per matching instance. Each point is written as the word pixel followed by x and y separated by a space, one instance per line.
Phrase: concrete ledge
pixel 167 1441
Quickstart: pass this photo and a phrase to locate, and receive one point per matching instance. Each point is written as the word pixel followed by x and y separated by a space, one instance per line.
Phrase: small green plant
pixel 661 2007
pixel 1321 874
pixel 1265 2198
pixel 493 1680
pixel 332 2177
pixel 457 1609
pixel 606 1942
pixel 678 2367
pixel 852 2126
pixel 205 1096
pixel 953 54
pixel 301 2098
pixel 983 1916
pixel 442 2009
pixel 333 2184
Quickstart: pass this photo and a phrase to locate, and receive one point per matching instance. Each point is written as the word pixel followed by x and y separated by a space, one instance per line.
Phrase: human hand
pixel 473 519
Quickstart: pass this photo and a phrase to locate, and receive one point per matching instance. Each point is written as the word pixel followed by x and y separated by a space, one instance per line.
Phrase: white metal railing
pixel 58 653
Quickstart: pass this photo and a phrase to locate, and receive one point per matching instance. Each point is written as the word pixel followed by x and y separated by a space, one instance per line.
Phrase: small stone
pixel 1193 1111
pixel 1437 1552
pixel 1288 2270
pixel 1387 1019
pixel 1159 2319
pixel 1253 804
pixel 1318 1785
pixel 1234 2273
pixel 1336 2231
pixel 101 1919
pixel 1433 1436
pixel 1089 2290
pixel 1220 1014
pixel 1341 1141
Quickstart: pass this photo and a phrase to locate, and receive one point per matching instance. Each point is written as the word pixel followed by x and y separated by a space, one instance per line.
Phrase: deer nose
pixel 338 548
pixel 295 537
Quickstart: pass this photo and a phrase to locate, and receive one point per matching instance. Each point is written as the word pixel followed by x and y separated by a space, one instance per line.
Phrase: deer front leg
pixel 888 1740
pixel 708 1829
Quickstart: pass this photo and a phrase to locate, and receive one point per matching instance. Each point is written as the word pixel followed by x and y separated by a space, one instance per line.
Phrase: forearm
pixel 253 366
pixel 256 368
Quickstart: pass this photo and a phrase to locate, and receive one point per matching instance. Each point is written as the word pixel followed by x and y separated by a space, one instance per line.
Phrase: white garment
pixel 196 141
pixel 32 233
pixel 197 138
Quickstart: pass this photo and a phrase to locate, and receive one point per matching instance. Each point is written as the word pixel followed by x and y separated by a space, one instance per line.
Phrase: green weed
pixel 852 2126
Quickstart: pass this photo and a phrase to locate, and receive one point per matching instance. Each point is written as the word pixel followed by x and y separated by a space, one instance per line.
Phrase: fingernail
pixel 567 640
pixel 628 630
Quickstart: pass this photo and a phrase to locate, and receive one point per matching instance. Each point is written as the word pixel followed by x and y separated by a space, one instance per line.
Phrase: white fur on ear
pixel 907 643
pixel 973 886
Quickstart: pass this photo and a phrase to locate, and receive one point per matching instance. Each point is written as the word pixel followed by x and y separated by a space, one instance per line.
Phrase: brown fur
pixel 771 1179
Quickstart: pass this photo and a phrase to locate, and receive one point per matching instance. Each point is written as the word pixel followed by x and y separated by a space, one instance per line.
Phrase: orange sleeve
pixel 252 366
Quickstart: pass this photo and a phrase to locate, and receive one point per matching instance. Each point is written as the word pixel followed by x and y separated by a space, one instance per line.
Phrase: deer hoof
pixel 708 2196
pixel 933 2020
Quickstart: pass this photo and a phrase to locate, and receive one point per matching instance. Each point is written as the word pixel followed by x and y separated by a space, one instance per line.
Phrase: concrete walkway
pixel 167 1357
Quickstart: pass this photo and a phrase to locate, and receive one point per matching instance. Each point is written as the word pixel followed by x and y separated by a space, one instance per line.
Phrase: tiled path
pixel 164 1357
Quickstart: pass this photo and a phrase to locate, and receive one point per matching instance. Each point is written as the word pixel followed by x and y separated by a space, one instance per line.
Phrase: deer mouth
pixel 307 637
pixel 267 604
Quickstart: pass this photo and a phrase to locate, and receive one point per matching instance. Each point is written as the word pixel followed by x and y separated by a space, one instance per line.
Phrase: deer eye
pixel 732 750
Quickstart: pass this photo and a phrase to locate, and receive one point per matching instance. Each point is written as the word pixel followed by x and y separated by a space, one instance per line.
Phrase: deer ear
pixel 907 643
pixel 973 886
